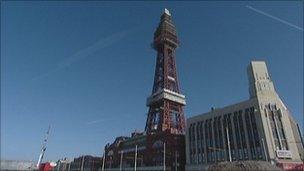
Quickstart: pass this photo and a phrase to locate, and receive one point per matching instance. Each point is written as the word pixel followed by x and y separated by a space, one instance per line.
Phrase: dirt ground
pixel 244 166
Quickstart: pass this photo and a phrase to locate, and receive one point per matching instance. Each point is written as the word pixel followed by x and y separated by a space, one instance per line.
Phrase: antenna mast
pixel 43 147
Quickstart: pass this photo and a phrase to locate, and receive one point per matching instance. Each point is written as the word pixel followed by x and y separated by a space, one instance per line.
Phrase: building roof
pixel 227 109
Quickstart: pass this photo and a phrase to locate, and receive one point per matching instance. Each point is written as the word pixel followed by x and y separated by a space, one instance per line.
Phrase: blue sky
pixel 87 68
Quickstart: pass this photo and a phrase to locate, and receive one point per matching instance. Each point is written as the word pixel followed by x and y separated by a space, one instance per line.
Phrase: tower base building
pixel 260 128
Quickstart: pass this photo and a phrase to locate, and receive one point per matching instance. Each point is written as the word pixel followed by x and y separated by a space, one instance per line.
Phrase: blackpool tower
pixel 165 125
pixel 162 145
pixel 166 102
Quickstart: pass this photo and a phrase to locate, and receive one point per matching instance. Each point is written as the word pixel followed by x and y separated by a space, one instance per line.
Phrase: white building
pixel 14 165
pixel 260 128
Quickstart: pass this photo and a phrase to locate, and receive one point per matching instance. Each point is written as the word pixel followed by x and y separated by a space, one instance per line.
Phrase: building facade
pixel 260 128
pixel 7 165
pixel 162 145
pixel 82 163
pixel 63 165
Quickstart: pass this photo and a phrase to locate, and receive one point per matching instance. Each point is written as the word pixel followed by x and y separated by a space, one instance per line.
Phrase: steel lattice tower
pixel 166 102
pixel 163 143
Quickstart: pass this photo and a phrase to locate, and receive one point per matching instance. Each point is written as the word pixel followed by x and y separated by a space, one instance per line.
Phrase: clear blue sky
pixel 87 68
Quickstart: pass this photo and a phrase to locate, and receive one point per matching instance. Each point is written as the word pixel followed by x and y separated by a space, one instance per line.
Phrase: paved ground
pixel 244 166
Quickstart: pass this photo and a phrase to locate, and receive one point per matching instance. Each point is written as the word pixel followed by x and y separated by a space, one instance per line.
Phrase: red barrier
pixel 291 166
pixel 45 167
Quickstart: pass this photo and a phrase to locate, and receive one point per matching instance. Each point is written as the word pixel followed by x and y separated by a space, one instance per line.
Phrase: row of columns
pixel 232 136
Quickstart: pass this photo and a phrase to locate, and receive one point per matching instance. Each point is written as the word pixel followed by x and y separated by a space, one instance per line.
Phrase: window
pixel 193 144
pixel 210 140
pixel 174 118
pixel 216 138
pixel 220 139
pixel 237 135
pixel 275 117
pixel 281 130
pixel 249 133
pixel 198 142
pixel 225 135
pixel 255 134
pixel 273 130
pixel 202 144
pixel 190 142
pixel 207 140
pixel 231 139
pixel 242 134
pixel 155 121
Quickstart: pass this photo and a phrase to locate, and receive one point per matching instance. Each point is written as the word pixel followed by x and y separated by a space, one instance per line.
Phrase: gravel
pixel 244 166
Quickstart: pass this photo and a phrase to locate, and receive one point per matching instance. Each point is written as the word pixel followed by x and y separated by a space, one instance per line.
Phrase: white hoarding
pixel 284 154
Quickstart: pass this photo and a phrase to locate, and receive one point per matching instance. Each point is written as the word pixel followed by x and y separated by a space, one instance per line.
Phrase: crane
pixel 43 147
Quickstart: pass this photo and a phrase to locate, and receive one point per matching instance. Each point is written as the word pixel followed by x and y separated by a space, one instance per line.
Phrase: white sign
pixel 284 154
pixel 53 164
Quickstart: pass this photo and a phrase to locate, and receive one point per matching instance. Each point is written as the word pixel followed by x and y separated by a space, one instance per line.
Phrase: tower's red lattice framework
pixel 166 103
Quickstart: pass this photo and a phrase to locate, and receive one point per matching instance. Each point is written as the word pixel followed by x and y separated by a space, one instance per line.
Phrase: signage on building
pixel 284 154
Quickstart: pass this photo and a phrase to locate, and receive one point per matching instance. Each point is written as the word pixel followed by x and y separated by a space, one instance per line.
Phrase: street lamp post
pixel 229 150
pixel 164 156
pixel 103 161
pixel 121 156
pixel 135 160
